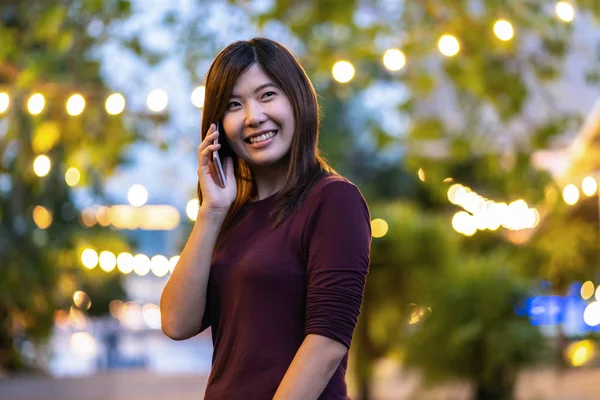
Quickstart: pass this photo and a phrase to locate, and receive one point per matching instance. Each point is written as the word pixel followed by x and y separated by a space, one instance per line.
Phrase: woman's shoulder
pixel 333 187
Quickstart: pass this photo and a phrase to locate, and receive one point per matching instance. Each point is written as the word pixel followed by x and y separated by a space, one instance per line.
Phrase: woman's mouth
pixel 263 140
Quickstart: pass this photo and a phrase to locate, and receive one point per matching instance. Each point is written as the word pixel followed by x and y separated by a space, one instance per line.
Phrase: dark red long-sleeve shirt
pixel 268 289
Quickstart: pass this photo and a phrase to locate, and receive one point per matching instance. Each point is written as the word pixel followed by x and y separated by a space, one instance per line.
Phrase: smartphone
pixel 217 162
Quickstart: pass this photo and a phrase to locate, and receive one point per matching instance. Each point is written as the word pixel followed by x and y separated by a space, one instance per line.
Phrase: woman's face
pixel 257 110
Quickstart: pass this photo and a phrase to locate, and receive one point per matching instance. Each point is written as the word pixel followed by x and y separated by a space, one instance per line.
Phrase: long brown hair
pixel 306 166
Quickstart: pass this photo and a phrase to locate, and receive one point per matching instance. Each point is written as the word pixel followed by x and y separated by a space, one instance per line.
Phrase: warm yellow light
pixel 394 59
pixel 45 137
pixel 457 193
pixel 42 165
pixel 173 263
pixel 36 103
pixel 421 175
pixel 4 102
pixel 137 195
pixel 82 300
pixel 103 216
pixel 378 227
pixel 591 314
pixel 198 96
pixel 108 261
pixel 141 264
pixel 587 290
pixel 503 30
pixel 115 104
pixel 72 176
pixel 589 186
pixel 571 194
pixel 598 293
pixel 579 353
pixel 157 100
pixel 88 217
pixel 125 263
pixel 449 45
pixel 159 265
pixel 343 71
pixel 89 258
pixel 464 223
pixel 565 11
pixel 75 105
pixel 192 208
pixel 42 217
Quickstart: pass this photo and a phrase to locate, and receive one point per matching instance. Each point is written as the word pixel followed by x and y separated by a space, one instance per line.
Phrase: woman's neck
pixel 268 180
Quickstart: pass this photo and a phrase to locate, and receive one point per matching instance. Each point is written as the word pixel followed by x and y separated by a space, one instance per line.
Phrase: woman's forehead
pixel 252 80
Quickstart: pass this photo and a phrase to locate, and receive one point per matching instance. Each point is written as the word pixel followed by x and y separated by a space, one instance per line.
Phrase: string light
pixel 36 104
pixel 4 102
pixel 571 194
pixel 115 104
pixel 343 71
pixel 157 100
pixel 72 176
pixel 394 60
pixel 42 165
pixel 565 11
pixel 198 96
pixel 503 30
pixel 449 45
pixel 137 195
pixel 75 105
pixel 589 186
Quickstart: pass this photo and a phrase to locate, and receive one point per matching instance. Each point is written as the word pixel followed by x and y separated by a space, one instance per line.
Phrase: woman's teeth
pixel 263 137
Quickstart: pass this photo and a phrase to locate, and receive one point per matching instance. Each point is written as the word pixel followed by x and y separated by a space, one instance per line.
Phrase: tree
pixel 473 331
pixel 48 47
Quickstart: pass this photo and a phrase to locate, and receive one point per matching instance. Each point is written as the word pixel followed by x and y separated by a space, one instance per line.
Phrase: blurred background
pixel 472 128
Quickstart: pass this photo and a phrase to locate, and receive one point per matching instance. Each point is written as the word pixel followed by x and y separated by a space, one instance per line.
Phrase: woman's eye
pixel 268 94
pixel 232 104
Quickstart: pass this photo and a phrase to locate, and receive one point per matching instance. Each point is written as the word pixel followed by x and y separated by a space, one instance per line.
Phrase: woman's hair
pixel 306 166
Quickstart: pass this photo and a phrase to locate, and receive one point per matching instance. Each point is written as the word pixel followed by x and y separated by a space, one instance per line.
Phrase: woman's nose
pixel 255 114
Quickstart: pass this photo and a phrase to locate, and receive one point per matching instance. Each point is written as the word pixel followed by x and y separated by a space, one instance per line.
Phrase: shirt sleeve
pixel 338 234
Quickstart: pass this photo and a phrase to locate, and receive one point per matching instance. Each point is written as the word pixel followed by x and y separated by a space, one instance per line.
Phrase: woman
pixel 276 263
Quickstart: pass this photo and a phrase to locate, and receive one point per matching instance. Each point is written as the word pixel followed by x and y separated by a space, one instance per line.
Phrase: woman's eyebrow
pixel 258 89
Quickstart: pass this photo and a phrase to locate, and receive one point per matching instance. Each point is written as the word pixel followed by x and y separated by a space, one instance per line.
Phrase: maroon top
pixel 268 289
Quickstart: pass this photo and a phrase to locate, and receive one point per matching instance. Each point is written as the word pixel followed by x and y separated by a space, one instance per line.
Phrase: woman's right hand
pixel 214 197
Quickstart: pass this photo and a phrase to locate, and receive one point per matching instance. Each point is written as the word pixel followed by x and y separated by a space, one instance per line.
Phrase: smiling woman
pixel 277 261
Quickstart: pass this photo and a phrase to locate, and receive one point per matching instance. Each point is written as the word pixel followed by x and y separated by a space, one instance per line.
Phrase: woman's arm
pixel 183 299
pixel 311 369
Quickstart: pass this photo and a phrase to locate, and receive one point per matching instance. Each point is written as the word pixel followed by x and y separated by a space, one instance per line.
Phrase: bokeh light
pixel 42 217
pixel 565 11
pixel 75 105
pixel 72 176
pixel 157 100
pixel 159 265
pixel 379 227
pixel 591 314
pixel 464 223
pixel 83 344
pixel 108 261
pixel 82 300
pixel 449 45
pixel 42 165
pixel 343 71
pixel 579 353
pixel 192 208
pixel 137 195
pixel 141 264
pixel 198 96
pixel 36 103
pixel 571 194
pixel 421 175
pixel 394 59
pixel 125 262
pixel 587 290
pixel 115 104
pixel 503 30
pixel 151 315
pixel 4 102
pixel 589 186
pixel 89 258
